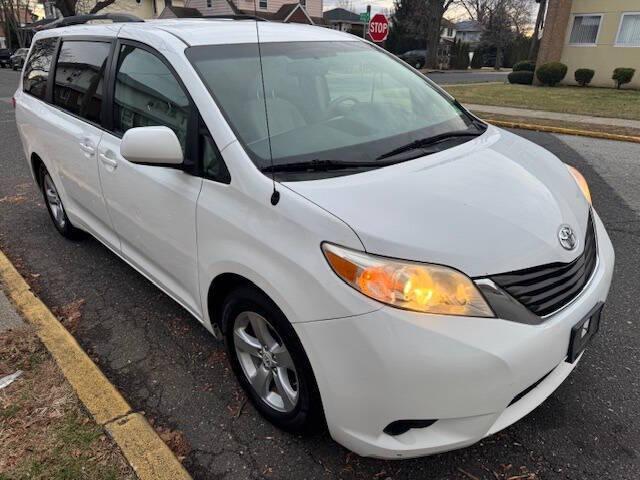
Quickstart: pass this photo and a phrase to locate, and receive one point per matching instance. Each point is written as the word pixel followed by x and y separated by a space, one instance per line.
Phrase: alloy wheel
pixel 266 362
pixel 54 202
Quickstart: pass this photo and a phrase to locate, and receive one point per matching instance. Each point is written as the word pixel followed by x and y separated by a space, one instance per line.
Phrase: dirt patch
pixel 13 199
pixel 44 432
pixel 70 314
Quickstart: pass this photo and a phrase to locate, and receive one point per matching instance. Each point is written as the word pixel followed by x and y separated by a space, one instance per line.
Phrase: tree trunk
pixel 499 55
pixel 67 7
pixel 435 11
pixel 535 41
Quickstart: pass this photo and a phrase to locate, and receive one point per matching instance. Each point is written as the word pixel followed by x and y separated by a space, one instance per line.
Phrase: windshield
pixel 325 101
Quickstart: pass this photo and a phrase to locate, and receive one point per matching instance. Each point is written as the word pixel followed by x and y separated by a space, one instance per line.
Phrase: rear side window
pixel 147 94
pixel 36 72
pixel 79 82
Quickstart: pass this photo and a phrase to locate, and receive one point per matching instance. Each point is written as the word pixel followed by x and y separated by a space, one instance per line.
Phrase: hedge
pixel 524 66
pixel 551 73
pixel 623 75
pixel 584 76
pixel 521 77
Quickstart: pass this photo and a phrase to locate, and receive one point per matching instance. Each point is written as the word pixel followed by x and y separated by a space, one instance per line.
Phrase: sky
pixel 455 13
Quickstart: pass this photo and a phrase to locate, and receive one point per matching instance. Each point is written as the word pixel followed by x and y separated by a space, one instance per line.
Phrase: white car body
pixel 374 364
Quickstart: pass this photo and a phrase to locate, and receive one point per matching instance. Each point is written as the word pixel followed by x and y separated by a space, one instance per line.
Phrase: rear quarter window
pixel 36 72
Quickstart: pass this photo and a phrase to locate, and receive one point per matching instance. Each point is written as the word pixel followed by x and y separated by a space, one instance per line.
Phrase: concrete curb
pixel 145 451
pixel 564 131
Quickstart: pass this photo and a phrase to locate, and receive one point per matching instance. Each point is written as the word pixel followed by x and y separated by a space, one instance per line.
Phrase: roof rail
pixel 82 19
pixel 238 16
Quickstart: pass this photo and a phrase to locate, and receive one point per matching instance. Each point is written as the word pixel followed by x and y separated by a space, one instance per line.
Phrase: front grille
pixel 547 288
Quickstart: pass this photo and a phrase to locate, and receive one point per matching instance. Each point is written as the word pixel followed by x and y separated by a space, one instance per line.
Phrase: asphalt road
pixel 168 366
pixel 472 76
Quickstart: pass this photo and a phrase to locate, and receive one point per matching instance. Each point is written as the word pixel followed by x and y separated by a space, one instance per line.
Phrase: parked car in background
pixel 415 58
pixel 18 58
pixel 5 57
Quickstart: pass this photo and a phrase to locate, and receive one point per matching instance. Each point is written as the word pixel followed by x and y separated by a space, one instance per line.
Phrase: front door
pixel 153 208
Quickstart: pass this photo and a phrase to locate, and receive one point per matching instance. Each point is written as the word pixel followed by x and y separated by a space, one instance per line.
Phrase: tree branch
pixel 100 5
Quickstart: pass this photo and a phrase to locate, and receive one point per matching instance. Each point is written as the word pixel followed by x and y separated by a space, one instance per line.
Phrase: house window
pixel 449 32
pixel 303 3
pixel 629 32
pixel 263 4
pixel 209 3
pixel 585 29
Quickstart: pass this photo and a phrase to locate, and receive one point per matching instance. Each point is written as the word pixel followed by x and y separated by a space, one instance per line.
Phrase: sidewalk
pixel 9 319
pixel 563 117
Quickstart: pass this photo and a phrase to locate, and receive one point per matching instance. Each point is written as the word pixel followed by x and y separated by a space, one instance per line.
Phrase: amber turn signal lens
pixel 582 183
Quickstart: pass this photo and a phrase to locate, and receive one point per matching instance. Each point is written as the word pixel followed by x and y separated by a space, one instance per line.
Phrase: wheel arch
pixel 36 164
pixel 221 286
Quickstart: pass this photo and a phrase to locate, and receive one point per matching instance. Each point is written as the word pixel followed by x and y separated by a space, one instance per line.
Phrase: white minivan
pixel 376 257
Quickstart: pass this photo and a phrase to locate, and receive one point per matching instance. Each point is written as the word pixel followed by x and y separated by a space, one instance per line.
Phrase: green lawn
pixel 598 102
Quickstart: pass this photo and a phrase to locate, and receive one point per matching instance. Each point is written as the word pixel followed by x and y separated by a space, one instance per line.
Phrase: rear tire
pixel 55 207
pixel 269 361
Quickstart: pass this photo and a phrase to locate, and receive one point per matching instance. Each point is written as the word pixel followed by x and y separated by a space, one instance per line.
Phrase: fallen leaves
pixel 70 314
pixel 175 440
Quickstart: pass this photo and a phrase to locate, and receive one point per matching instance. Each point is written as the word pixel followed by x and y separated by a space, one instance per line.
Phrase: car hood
pixel 491 205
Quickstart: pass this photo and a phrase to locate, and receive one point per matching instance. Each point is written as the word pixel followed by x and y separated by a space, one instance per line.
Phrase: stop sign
pixel 379 28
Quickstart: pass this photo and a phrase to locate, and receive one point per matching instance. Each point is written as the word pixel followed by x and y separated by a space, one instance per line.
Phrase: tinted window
pixel 79 78
pixel 36 72
pixel 147 93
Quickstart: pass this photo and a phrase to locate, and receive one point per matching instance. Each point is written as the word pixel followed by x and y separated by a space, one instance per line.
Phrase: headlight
pixel 582 183
pixel 420 287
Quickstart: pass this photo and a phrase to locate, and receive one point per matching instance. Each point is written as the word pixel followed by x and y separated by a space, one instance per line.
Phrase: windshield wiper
pixel 425 142
pixel 322 166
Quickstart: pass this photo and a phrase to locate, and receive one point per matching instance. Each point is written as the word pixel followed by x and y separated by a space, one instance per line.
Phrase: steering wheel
pixel 334 104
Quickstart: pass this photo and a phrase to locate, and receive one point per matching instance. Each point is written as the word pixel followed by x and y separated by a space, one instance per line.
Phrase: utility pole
pixel 366 24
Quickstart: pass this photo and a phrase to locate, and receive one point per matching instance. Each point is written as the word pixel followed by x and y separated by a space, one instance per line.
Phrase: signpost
pixel 379 28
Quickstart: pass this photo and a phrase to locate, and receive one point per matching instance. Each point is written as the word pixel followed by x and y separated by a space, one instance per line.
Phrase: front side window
pixel 325 101
pixel 79 81
pixel 36 72
pixel 585 29
pixel 629 35
pixel 148 94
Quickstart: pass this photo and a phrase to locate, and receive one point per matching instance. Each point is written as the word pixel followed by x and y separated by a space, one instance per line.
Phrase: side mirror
pixel 151 145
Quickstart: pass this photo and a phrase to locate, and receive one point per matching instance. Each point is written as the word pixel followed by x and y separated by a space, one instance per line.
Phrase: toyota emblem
pixel 567 237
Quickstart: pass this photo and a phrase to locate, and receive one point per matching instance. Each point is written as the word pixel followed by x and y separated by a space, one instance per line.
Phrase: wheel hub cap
pixel 265 362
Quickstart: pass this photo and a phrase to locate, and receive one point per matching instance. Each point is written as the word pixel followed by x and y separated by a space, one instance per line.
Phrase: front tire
pixel 269 361
pixel 55 207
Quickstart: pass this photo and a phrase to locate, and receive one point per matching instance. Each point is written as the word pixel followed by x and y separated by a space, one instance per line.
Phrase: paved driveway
pixel 168 366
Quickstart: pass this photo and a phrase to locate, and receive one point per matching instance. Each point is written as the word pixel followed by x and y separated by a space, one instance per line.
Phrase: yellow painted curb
pixel 565 131
pixel 145 451
pixel 103 401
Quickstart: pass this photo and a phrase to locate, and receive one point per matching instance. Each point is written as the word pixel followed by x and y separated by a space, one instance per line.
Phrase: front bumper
pixel 465 372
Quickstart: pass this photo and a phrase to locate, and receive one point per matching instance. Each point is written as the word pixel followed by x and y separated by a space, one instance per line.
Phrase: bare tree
pixel 533 50
pixel 14 14
pixel 501 20
pixel 433 22
pixel 346 4
pixel 75 7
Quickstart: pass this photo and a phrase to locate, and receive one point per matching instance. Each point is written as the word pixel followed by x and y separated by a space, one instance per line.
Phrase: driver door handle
pixel 108 161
